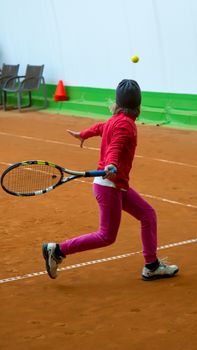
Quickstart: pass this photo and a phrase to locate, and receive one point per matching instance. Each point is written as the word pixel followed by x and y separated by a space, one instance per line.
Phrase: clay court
pixel 99 300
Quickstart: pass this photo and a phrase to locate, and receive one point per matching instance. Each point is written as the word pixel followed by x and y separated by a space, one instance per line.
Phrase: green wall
pixel 158 108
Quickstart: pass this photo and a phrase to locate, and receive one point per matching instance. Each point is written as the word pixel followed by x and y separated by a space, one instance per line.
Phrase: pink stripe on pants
pixel 111 202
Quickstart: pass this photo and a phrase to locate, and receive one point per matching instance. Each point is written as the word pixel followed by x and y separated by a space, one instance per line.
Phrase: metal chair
pixel 8 71
pixel 31 81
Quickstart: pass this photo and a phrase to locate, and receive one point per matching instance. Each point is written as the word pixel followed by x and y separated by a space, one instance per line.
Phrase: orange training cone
pixel 60 93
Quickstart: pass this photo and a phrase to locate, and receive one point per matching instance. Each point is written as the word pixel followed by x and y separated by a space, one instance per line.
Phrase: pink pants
pixel 111 202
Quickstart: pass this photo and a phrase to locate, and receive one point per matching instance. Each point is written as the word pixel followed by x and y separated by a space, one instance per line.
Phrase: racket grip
pixel 93 173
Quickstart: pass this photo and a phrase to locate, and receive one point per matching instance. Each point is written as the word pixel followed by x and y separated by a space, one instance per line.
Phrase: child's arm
pixel 76 134
pixel 95 130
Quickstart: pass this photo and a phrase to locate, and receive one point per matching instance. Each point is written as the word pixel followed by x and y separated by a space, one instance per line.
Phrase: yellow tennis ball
pixel 135 59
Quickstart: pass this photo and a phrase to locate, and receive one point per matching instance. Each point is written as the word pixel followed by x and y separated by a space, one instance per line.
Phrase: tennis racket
pixel 34 177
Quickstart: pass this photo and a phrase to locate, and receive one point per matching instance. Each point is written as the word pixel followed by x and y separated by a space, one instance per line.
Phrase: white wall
pixel 90 42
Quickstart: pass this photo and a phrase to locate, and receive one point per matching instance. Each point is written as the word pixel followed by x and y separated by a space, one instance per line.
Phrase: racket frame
pixel 73 175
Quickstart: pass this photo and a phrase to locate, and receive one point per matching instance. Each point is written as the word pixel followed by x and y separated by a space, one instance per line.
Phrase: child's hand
pixel 111 172
pixel 76 134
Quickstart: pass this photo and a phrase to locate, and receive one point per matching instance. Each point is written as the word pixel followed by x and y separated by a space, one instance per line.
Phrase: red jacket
pixel 119 140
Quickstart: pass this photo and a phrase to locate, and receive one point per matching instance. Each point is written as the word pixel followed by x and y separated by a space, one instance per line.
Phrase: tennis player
pixel 113 194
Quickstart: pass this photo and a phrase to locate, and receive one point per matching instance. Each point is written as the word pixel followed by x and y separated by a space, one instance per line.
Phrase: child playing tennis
pixel 113 194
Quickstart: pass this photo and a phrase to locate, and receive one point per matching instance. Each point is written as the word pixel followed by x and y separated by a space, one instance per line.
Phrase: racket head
pixel 31 178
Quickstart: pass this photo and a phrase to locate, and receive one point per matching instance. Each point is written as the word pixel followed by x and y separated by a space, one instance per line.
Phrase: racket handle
pixel 95 173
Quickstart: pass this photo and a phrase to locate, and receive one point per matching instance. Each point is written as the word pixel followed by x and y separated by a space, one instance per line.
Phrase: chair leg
pixel 30 99
pixel 4 100
pixel 19 99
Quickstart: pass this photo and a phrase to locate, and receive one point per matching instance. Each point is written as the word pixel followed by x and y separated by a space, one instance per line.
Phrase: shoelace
pixel 164 261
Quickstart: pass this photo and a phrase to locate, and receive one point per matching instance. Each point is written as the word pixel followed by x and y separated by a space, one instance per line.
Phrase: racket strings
pixel 31 178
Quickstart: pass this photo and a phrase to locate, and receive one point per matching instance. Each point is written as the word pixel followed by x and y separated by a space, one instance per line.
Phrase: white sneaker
pixel 162 271
pixel 51 260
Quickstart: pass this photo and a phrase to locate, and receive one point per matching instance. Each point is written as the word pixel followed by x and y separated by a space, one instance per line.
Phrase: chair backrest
pixel 33 77
pixel 9 71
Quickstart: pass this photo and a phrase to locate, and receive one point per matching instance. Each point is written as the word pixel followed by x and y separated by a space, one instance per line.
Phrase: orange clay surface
pixel 105 305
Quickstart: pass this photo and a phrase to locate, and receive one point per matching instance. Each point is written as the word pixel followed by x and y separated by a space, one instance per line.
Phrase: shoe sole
pixel 157 277
pixel 46 256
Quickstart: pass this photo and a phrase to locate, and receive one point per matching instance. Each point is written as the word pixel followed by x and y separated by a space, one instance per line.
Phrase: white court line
pixel 94 262
pixel 153 197
pixel 142 194
pixel 93 148
pixel 168 161
pixel 168 200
